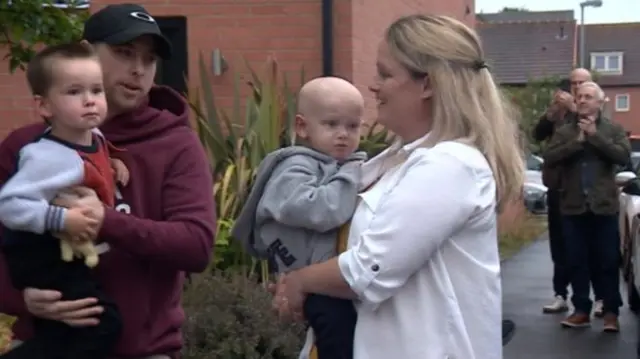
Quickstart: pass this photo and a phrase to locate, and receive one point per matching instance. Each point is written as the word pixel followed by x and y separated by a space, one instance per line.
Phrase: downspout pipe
pixel 327 37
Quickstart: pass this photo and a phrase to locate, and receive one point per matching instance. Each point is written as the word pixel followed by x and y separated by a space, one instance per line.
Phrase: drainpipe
pixel 327 37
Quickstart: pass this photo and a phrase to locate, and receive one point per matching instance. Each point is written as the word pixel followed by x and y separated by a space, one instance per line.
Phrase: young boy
pixel 66 81
pixel 301 197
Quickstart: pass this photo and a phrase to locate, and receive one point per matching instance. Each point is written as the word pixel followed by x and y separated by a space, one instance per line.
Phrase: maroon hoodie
pixel 170 230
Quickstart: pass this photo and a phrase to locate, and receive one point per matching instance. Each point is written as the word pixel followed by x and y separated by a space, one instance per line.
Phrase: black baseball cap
pixel 122 23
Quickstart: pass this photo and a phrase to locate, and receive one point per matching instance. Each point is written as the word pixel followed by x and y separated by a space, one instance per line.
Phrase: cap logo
pixel 142 16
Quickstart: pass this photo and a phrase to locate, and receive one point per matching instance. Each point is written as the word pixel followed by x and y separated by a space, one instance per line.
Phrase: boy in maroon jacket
pixel 163 223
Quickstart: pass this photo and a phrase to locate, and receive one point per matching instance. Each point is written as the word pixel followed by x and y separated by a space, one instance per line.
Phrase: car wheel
pixel 633 296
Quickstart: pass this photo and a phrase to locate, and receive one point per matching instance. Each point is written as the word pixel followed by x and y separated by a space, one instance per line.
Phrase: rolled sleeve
pixel 355 271
pixel 432 200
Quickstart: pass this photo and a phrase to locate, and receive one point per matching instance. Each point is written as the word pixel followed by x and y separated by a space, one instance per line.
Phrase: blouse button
pixel 375 267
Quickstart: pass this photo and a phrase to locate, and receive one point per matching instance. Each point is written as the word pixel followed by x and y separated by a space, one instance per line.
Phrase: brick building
pixel 337 37
pixel 527 45
pixel 612 51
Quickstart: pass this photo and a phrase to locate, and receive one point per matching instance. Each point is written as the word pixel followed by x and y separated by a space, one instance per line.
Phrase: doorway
pixel 173 72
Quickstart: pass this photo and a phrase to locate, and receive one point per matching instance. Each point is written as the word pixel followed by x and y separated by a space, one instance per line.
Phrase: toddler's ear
pixel 42 107
pixel 300 127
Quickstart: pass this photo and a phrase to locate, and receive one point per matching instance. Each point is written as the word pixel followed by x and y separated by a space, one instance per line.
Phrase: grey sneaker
pixel 598 309
pixel 559 305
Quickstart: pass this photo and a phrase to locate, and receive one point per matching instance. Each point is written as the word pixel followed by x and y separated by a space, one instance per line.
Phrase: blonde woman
pixel 422 264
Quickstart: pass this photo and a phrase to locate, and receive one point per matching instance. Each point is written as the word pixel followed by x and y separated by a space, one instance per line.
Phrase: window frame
pixel 607 56
pixel 622 109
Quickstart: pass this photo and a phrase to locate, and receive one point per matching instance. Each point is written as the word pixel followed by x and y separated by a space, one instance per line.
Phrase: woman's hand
pixel 288 297
pixel 279 303
pixel 46 304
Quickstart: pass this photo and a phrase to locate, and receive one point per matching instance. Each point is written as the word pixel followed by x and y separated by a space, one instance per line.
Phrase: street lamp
pixel 589 3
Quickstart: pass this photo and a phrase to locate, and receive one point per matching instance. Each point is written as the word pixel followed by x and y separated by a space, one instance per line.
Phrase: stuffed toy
pixel 70 248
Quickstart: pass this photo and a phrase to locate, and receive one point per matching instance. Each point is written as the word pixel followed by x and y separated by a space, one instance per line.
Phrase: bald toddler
pixel 301 197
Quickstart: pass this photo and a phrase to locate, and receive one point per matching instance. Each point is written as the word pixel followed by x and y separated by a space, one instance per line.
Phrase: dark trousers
pixel 34 261
pixel 333 321
pixel 557 247
pixel 638 342
pixel 593 246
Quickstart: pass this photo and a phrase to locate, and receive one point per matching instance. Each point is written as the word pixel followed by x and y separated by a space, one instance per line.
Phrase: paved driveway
pixel 526 288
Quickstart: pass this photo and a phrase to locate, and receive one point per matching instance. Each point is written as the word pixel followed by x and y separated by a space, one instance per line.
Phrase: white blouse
pixel 423 257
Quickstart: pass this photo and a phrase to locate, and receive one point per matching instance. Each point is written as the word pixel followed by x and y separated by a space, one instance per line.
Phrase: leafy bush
pixel 229 316
pixel 532 101
pixel 374 140
pixel 26 24
pixel 530 227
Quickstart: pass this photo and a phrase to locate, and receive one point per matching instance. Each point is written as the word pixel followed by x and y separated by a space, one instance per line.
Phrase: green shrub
pixel 229 316
pixel 514 239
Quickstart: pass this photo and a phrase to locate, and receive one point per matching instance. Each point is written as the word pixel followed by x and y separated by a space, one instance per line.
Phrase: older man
pixel 561 110
pixel 587 150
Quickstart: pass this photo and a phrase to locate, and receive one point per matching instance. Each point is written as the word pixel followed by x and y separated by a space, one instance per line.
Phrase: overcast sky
pixel 611 10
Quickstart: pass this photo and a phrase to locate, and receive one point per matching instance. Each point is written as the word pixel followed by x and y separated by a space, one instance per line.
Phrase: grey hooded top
pixel 299 200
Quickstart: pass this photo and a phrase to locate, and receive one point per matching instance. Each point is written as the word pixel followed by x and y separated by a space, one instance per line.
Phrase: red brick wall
pixel 249 29
pixel 241 29
pixel 358 42
pixel 254 29
pixel 629 119
pixel 15 102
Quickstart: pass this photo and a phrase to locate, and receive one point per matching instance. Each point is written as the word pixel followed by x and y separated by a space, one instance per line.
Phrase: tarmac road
pixel 526 288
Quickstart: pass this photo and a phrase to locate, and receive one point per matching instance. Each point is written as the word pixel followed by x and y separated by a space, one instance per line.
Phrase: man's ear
pixel 42 106
pixel 427 89
pixel 300 125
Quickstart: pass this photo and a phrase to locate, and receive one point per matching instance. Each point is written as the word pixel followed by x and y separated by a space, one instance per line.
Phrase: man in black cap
pixel 118 32
pixel 163 224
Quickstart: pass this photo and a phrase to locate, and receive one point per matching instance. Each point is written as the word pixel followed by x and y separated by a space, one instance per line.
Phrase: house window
pixel 607 62
pixel 622 103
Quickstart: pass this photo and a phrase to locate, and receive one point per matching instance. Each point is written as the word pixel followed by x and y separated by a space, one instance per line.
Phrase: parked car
pixel 635 161
pixel 534 192
pixel 534 163
pixel 630 235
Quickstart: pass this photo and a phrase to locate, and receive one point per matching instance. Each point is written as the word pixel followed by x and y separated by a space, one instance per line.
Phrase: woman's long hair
pixel 467 105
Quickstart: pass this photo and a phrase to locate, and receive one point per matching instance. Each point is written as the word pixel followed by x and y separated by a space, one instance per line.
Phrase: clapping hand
pixel 588 125
pixel 566 100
